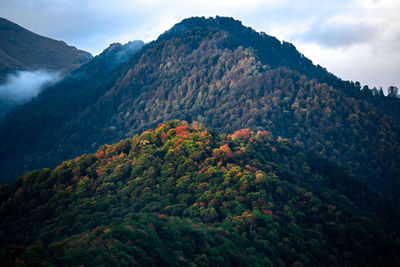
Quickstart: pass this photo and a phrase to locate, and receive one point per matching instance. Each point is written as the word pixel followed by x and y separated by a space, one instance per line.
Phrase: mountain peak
pixel 116 53
pixel 270 50
pixel 217 21
pixel 115 47
pixel 222 23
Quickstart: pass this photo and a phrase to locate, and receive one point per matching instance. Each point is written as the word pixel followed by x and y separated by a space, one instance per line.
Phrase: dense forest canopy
pixel 184 194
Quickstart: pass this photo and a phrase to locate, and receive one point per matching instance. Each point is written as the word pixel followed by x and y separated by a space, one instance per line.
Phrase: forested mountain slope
pixel 219 73
pixel 184 195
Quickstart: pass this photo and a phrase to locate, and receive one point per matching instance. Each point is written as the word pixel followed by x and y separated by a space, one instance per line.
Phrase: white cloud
pixel 23 85
pixel 358 43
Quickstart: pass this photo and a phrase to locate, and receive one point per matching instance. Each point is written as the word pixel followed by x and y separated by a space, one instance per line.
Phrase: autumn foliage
pixel 182 193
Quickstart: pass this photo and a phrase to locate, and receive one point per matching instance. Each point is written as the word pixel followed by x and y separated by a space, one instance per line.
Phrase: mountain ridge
pixel 205 74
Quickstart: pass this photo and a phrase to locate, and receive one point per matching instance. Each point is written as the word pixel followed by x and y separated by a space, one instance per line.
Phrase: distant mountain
pixel 21 49
pixel 30 62
pixel 189 196
pixel 222 74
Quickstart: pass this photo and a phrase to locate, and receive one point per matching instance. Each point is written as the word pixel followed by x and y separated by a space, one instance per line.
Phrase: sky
pixel 357 40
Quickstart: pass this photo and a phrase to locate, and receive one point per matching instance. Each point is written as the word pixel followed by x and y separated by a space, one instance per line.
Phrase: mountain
pixel 189 196
pixel 21 49
pixel 222 74
pixel 29 62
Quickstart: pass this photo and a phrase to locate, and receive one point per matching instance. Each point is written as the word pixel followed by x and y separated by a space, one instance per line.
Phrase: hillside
pixel 21 49
pixel 183 194
pixel 217 72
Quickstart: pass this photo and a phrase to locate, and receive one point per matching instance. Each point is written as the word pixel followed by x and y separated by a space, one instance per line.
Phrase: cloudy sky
pixel 357 40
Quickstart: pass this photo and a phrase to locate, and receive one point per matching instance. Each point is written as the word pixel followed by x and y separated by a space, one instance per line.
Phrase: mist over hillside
pixel 22 86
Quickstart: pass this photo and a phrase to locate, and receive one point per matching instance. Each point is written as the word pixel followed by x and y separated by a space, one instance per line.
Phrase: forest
pixel 183 194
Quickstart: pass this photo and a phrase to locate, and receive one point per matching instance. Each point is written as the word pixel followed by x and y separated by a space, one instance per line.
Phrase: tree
pixel 393 91
pixel 380 92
